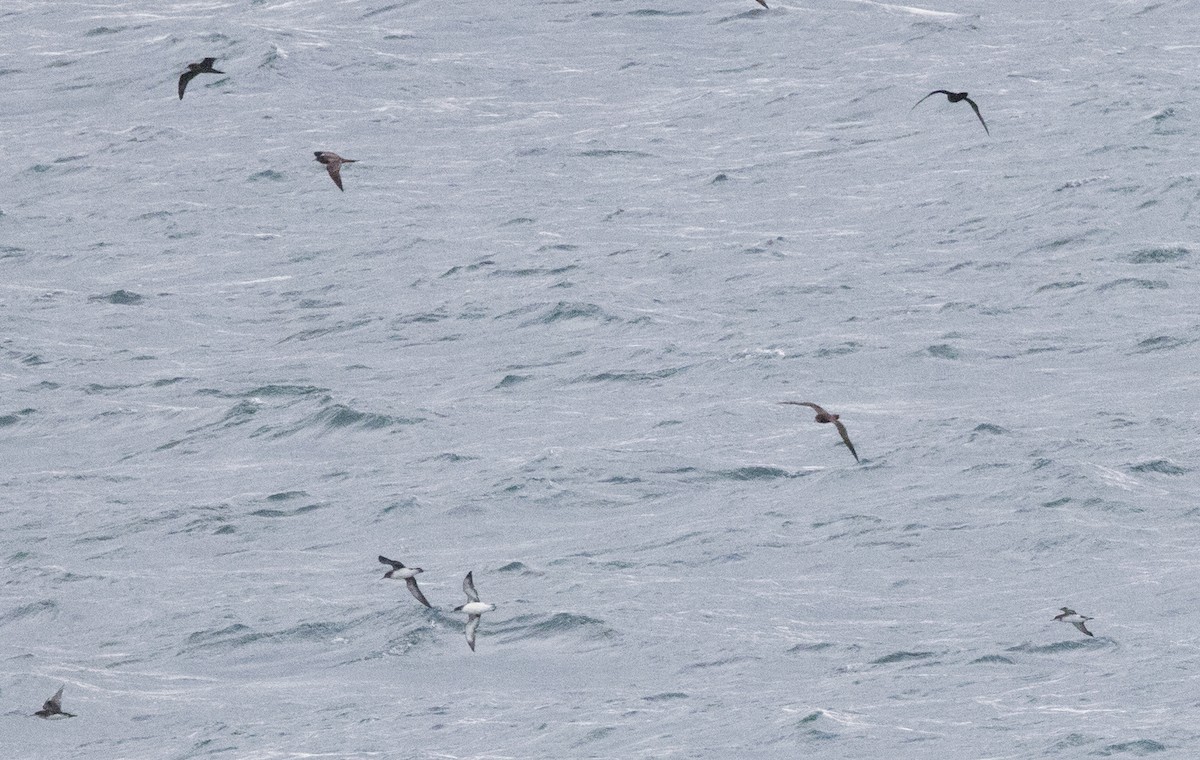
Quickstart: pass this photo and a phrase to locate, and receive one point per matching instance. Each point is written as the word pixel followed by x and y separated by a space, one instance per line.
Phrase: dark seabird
pixel 954 97
pixel 333 162
pixel 409 574
pixel 53 706
pixel 194 70
pixel 1074 618
pixel 474 608
pixel 763 3
pixel 824 416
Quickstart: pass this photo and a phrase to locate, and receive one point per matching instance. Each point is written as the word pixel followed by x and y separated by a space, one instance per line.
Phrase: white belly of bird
pixel 478 608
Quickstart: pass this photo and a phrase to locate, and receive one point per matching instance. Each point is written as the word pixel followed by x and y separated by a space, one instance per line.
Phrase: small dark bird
pixel 194 70
pixel 1074 618
pixel 333 162
pixel 824 416
pixel 954 97
pixel 53 706
pixel 409 574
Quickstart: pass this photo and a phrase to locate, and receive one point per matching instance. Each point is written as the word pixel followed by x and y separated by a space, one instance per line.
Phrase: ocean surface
pixel 587 248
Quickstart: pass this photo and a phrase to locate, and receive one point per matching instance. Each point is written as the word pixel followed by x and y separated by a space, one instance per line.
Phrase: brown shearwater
pixel 194 70
pixel 954 97
pixel 333 162
pixel 824 416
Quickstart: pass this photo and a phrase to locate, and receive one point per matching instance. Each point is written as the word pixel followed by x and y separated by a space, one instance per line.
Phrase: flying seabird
pixel 1074 618
pixel 53 706
pixel 474 608
pixel 824 416
pixel 409 574
pixel 954 97
pixel 333 162
pixel 194 70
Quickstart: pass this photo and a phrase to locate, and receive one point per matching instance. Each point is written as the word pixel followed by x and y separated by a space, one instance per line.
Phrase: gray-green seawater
pixel 541 336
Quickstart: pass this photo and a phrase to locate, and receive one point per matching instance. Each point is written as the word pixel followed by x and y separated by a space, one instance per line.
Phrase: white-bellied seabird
pixel 474 608
pixel 1074 618
pixel 955 97
pixel 824 416
pixel 194 70
pixel 409 574
pixel 333 162
pixel 53 706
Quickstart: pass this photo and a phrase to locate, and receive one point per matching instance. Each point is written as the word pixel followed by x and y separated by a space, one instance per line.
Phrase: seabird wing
pixel 412 586
pixel 207 63
pixel 763 3
pixel 1083 628
pixel 335 171
pixel 846 438
pixel 809 404
pixel 53 705
pixel 469 587
pixel 981 121
pixel 935 92
pixel 395 565
pixel 184 78
pixel 472 624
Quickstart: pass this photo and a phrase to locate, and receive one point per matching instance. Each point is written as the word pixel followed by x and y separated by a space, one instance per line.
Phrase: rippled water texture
pixel 586 249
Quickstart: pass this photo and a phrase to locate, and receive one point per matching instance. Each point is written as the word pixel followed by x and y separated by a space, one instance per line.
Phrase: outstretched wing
pixel 845 438
pixel 412 586
pixel 809 404
pixel 335 171
pixel 469 587
pixel 981 121
pixel 935 92
pixel 763 3
pixel 472 624
pixel 395 565
pixel 1080 625
pixel 184 78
